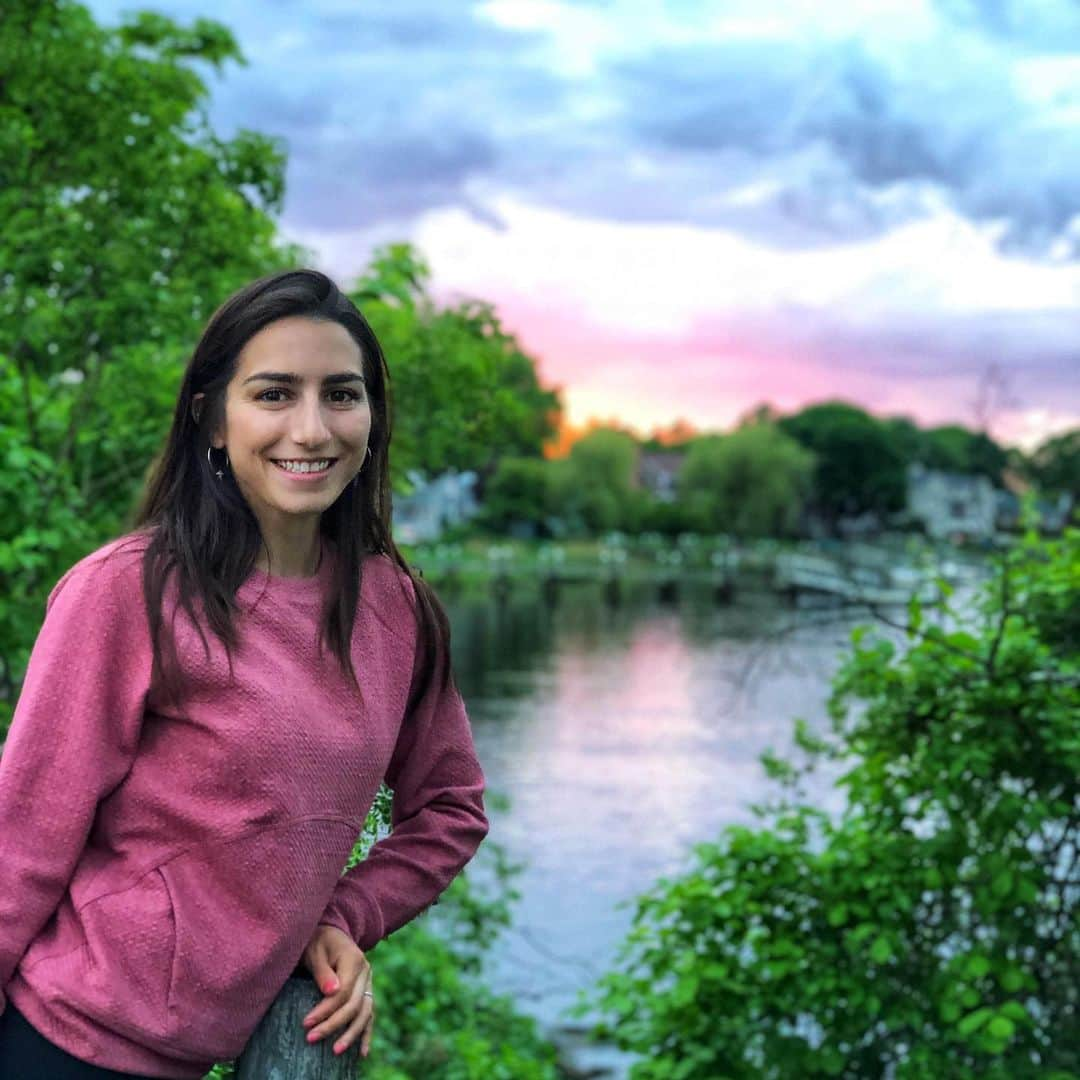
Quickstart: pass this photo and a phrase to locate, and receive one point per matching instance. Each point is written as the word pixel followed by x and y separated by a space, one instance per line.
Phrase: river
pixel 622 736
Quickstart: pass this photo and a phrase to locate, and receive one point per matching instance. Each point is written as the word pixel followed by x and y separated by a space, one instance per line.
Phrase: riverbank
pixel 888 571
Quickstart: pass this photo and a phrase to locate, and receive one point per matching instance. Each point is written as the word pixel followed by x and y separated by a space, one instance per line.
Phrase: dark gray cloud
pixel 390 178
pixel 954 120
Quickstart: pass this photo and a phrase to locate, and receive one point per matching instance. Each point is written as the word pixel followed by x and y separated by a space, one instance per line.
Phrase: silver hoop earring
pixel 217 472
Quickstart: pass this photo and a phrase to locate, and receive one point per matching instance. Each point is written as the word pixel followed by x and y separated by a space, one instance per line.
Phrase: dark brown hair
pixel 204 529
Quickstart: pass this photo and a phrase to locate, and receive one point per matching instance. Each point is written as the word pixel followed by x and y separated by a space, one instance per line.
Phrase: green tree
pixel 1055 464
pixel 469 394
pixel 750 483
pixel 907 437
pixel 859 466
pixel 953 448
pixel 607 457
pixel 932 929
pixel 517 492
pixel 596 485
pixel 125 220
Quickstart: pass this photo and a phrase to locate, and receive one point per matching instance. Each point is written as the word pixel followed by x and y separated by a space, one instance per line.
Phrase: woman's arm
pixel 438 821
pixel 72 739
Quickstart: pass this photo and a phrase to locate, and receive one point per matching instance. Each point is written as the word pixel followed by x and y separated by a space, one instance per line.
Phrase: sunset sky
pixel 683 209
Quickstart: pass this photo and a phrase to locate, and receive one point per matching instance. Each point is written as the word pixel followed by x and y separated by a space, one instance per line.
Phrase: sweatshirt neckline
pixel 258 582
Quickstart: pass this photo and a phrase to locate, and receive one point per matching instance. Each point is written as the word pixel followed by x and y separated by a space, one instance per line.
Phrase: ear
pixel 197 403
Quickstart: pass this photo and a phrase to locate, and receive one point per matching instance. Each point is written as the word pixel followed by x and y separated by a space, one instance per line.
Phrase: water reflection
pixel 622 736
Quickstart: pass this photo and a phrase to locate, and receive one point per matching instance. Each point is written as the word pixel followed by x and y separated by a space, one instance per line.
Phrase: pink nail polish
pixel 312 1036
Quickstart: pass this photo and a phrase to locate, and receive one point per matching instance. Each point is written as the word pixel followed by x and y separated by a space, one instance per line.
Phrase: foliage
pixel 933 929
pixel 1055 464
pixel 859 465
pixel 588 494
pixel 435 1024
pixel 952 448
pixel 751 483
pixel 468 393
pixel 516 492
pixel 594 488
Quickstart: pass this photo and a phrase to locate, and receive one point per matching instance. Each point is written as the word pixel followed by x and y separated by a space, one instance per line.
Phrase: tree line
pixel 772 475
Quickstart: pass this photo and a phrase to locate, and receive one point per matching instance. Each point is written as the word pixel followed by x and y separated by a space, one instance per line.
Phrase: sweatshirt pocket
pixel 242 912
pixel 119 976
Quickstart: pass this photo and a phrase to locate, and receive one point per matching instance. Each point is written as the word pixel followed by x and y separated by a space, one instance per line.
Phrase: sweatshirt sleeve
pixel 72 739
pixel 437 822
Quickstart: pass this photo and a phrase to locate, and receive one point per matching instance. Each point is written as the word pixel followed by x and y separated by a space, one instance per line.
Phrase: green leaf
pixel 974 1020
pixel 1015 1011
pixel 881 950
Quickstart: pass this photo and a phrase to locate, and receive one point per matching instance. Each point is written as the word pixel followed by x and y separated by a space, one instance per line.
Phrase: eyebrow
pixel 295 380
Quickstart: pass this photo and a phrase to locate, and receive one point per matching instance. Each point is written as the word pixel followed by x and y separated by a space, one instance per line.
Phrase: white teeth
pixel 304 466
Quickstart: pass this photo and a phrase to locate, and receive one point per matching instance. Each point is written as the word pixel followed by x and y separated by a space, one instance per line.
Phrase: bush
pixel 933 930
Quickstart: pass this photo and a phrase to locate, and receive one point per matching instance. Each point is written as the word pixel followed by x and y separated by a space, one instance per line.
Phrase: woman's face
pixel 297 396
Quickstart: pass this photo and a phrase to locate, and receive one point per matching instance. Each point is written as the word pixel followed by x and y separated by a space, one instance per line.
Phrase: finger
pixel 342 1013
pixel 339 1019
pixel 335 984
pixel 322 971
pixel 360 1027
pixel 321 1011
pixel 365 1042
pixel 328 1004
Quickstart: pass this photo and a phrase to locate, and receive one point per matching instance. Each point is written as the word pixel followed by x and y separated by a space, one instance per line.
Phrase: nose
pixel 309 424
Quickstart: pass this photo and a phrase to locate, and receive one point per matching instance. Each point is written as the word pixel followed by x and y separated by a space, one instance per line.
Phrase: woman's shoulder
pixel 117 563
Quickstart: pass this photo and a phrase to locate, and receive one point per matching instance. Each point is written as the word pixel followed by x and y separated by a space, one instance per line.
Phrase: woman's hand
pixel 343 973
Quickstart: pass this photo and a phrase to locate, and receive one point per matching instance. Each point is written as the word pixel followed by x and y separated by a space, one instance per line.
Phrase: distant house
pixel 1055 511
pixel 1008 510
pixel 1052 510
pixel 657 470
pixel 446 500
pixel 952 504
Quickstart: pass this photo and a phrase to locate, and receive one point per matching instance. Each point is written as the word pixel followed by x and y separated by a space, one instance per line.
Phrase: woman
pixel 188 769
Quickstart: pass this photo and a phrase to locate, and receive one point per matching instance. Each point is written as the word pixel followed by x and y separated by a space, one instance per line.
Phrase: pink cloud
pixel 717 371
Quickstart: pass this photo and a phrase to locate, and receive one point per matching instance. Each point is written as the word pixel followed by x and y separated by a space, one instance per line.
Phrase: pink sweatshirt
pixel 162 868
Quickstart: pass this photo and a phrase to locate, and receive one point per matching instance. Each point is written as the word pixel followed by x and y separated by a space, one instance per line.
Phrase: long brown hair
pixel 206 532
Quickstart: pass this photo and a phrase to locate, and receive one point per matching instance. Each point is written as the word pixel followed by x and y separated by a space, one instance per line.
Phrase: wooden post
pixel 278 1050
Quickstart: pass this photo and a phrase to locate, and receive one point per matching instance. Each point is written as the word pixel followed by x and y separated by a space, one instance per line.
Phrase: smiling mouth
pixel 306 463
